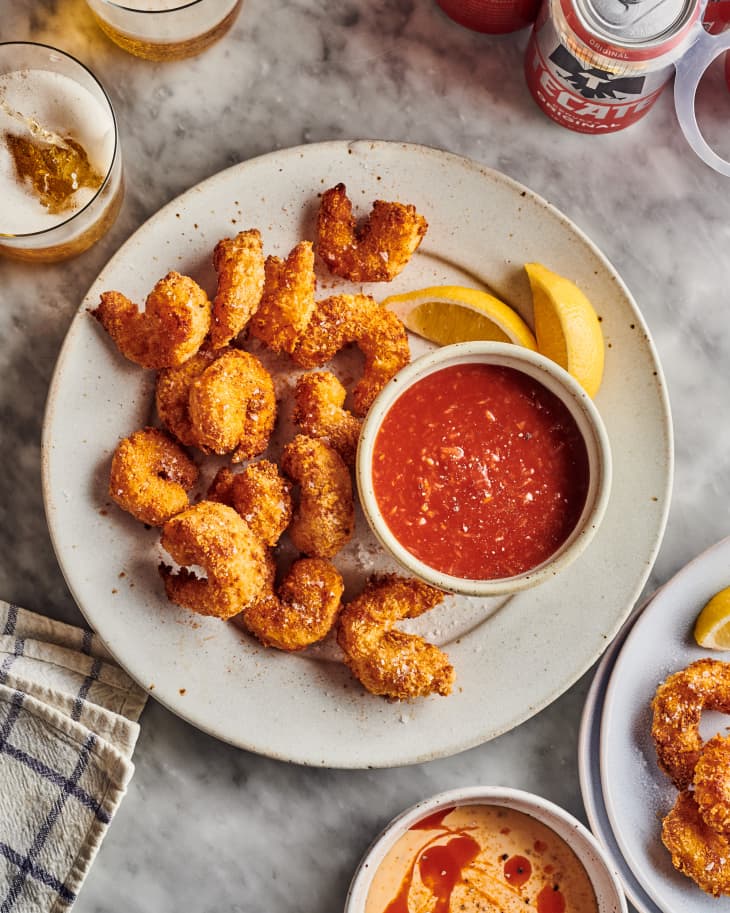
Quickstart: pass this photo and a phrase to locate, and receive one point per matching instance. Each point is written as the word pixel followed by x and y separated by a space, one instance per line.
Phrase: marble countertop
pixel 206 826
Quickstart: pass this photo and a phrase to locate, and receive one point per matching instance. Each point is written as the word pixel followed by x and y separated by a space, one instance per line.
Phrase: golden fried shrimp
pixel 379 334
pixel 259 494
pixel 678 705
pixel 319 412
pixel 232 406
pixel 712 784
pixel 151 476
pixel 387 661
pixel 324 519
pixel 376 252
pixel 697 851
pixel 302 611
pixel 171 329
pixel 288 299
pixel 239 263
pixel 237 563
pixel 172 392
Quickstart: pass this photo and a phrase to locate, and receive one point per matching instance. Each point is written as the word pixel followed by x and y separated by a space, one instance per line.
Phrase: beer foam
pixel 62 105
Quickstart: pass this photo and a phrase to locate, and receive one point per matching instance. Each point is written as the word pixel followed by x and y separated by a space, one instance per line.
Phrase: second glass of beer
pixel 164 29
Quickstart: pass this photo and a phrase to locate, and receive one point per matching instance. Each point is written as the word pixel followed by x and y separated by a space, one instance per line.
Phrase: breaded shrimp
pixel 324 519
pixel 697 851
pixel 376 252
pixel 232 406
pixel 387 661
pixel 238 565
pixel 678 705
pixel 239 263
pixel 172 393
pixel 151 476
pixel 712 783
pixel 379 334
pixel 171 329
pixel 319 412
pixel 259 494
pixel 288 299
pixel 302 611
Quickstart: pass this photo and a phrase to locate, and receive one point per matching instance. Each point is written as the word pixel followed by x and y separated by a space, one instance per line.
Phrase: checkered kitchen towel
pixel 68 726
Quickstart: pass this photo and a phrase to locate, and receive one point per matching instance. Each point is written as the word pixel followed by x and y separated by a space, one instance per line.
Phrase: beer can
pixel 597 66
pixel 494 17
pixel 715 21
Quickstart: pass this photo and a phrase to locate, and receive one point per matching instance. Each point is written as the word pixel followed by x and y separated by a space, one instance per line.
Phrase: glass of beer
pixel 60 162
pixel 165 29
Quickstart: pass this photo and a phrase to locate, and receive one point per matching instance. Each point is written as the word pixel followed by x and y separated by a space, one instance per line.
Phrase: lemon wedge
pixel 567 326
pixel 712 628
pixel 445 314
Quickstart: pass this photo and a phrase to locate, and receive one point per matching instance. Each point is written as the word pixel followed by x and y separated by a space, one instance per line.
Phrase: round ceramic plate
pixel 590 771
pixel 512 656
pixel 636 793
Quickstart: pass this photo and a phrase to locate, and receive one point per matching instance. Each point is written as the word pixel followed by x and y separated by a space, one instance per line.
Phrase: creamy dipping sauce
pixel 480 859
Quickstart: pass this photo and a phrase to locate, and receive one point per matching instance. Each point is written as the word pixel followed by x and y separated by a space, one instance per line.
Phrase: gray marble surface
pixel 206 827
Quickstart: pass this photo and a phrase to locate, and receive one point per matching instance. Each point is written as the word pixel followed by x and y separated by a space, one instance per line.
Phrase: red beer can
pixel 716 20
pixel 597 66
pixel 494 17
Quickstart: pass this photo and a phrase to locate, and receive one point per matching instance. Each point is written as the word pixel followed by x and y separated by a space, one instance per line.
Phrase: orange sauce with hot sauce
pixel 481 858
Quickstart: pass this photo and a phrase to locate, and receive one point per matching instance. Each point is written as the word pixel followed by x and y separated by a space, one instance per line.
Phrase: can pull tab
pixel 690 70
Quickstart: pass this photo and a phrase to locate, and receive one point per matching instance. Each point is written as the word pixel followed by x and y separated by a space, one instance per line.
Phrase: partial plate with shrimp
pixel 637 794
pixel 482 228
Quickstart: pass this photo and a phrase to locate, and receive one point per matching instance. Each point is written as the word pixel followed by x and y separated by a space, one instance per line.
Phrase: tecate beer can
pixel 493 17
pixel 597 66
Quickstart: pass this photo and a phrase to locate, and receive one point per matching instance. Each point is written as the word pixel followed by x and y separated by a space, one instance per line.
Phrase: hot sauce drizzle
pixel 550 900
pixel 453 860
pixel 517 870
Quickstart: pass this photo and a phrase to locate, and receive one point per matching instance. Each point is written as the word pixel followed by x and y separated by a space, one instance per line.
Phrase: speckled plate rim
pixel 589 768
pixel 371 737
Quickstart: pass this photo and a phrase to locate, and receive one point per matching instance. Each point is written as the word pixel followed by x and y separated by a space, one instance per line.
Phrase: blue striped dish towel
pixel 68 727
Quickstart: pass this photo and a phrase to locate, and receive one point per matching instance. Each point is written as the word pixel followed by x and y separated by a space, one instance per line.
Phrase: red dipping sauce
pixel 480 471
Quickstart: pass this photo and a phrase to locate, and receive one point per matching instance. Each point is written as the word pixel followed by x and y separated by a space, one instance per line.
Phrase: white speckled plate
pixel 590 771
pixel 636 793
pixel 511 657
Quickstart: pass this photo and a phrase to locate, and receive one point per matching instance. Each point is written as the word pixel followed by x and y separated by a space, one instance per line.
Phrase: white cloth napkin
pixel 68 727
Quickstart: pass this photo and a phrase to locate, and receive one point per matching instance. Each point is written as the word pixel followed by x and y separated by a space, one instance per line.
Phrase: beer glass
pixel 164 29
pixel 60 162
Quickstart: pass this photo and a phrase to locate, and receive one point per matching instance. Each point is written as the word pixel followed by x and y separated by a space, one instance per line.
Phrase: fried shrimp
pixel 387 661
pixel 239 263
pixel 237 563
pixel 712 784
pixel 259 494
pixel 697 851
pixel 319 412
pixel 324 519
pixel 678 705
pixel 172 392
pixel 302 611
pixel 151 476
pixel 232 406
pixel 171 329
pixel 376 252
pixel 378 333
pixel 288 299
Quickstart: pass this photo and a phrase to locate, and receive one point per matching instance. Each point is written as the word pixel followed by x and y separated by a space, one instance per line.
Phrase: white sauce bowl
pixel 554 379
pixel 603 878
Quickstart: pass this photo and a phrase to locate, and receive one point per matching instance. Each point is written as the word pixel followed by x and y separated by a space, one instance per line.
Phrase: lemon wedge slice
pixel 445 314
pixel 567 326
pixel 712 628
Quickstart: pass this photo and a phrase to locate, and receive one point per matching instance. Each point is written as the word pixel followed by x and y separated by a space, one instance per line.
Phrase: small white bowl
pixel 557 381
pixel 603 878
